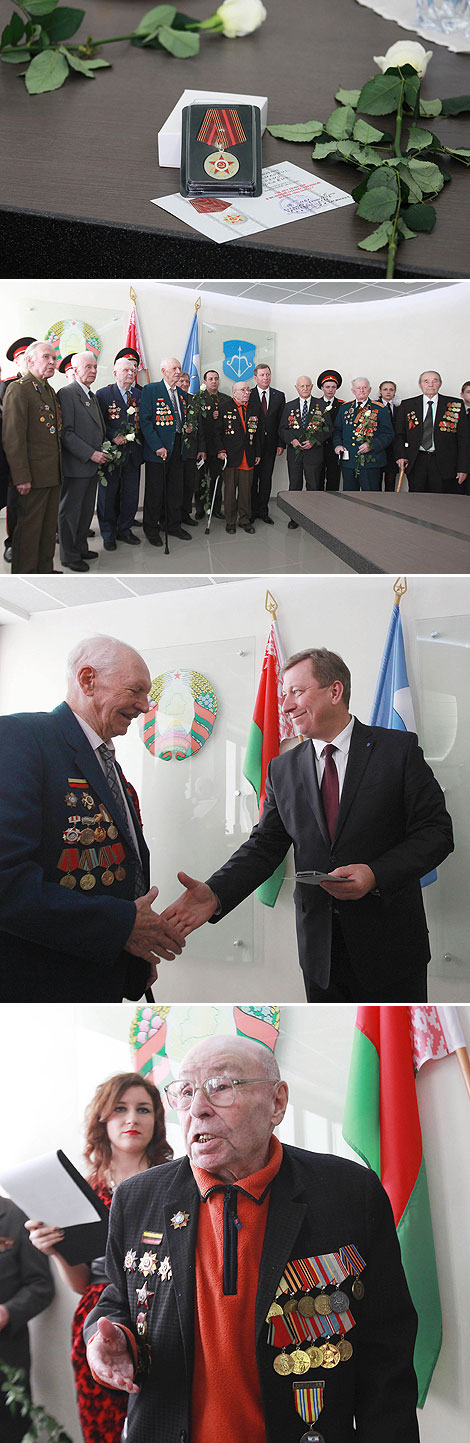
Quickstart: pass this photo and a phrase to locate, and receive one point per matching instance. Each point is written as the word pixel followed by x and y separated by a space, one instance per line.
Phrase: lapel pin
pixel 180 1220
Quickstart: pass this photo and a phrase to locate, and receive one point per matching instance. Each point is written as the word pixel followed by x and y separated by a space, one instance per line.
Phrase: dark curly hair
pixel 97 1145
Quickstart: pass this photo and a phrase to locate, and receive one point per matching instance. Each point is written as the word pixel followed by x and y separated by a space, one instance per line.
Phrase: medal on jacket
pixel 308 1399
pixel 221 128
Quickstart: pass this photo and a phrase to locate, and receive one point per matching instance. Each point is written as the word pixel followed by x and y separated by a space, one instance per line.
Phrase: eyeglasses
pixel 220 1091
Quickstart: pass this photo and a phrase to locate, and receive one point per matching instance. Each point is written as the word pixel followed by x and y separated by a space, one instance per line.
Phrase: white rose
pixel 240 17
pixel 131 410
pixel 131 436
pixel 405 52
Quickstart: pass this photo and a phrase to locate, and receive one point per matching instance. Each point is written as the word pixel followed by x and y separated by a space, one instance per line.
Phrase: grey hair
pixel 100 652
pixel 31 350
pixel 166 359
pixel 360 378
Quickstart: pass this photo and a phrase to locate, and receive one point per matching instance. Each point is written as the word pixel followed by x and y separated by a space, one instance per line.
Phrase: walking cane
pixel 218 478
pixel 165 506
pixel 401 474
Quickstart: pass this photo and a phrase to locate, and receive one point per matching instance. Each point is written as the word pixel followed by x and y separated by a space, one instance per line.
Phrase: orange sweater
pixel 226 1396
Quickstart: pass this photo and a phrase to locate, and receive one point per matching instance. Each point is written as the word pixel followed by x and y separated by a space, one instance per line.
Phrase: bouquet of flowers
pixel 115 456
pixel 364 428
pixel 317 429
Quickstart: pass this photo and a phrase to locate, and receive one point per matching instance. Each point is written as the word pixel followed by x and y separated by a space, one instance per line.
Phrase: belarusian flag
pixel 134 339
pixel 381 1123
pixel 268 729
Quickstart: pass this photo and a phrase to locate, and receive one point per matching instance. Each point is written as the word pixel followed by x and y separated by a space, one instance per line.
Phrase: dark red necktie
pixel 330 788
pixel 264 403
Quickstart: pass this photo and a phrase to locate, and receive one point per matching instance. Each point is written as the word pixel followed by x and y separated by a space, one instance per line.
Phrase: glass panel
pixel 443 649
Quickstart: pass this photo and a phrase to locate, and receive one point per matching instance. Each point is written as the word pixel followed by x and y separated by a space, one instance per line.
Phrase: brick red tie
pixel 264 403
pixel 330 788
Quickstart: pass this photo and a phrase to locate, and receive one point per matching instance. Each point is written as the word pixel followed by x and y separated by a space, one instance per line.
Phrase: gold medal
pixel 221 165
pixel 107 878
pixel 120 874
pixel 87 836
pixel 100 834
pixel 87 881
pixel 331 1355
pixel 358 1288
pixel 113 832
pixel 322 1304
pixel 275 1311
pixel 290 1306
pixel 68 880
pixel 345 1349
pixel 300 1361
pixel 316 1355
pixel 282 1364
pixel 307 1306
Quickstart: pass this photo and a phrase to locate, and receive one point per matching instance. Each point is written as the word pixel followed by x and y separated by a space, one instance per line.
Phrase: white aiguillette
pixel 51 1189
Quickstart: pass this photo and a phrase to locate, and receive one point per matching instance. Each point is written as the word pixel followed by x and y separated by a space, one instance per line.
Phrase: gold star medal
pixel 180 1220
pixel 148 1264
pixel 222 128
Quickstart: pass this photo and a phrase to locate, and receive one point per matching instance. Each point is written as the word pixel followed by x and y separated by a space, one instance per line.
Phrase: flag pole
pixel 134 303
pixel 464 1064
pixel 400 587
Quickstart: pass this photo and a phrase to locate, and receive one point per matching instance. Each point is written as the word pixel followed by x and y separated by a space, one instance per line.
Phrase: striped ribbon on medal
pixel 351 1259
pixel 296 1329
pixel 221 127
pixel 308 1399
pixel 304 1273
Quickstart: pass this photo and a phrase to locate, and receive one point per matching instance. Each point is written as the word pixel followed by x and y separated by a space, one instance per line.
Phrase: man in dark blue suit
pixel 362 432
pixel 119 405
pixel 162 417
pixel 75 896
pixel 387 398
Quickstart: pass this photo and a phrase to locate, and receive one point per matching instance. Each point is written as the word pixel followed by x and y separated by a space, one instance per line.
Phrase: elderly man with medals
pixel 31 426
pixel 255 1289
pixel 362 433
pixel 304 430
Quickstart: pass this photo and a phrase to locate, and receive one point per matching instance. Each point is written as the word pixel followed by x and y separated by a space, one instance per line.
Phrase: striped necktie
pixel 107 753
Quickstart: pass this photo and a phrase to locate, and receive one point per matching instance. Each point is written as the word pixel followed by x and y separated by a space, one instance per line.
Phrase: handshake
pixel 157 935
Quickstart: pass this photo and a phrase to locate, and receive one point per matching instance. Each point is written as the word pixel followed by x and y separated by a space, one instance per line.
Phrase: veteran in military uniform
pixel 16 353
pixel 119 498
pixel 75 896
pixel 329 404
pixel 26 1289
pixel 31 425
pixel 432 439
pixel 362 432
pixel 254 1285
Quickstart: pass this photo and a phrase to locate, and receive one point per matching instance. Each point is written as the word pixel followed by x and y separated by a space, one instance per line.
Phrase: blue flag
pixel 392 706
pixel 190 362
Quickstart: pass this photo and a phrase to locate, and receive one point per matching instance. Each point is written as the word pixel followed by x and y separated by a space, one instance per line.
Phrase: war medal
pixel 148 1264
pixel 282 1364
pixel 180 1220
pixel 130 1261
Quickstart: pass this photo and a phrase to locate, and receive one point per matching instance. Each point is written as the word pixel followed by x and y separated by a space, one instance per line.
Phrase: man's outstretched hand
pixel 109 1358
pixel 196 905
pixel 151 935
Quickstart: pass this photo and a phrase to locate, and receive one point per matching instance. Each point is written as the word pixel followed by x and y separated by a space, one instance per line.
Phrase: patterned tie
pixel 330 788
pixel 107 753
pixel 175 408
pixel 304 415
pixel 264 403
pixel 428 426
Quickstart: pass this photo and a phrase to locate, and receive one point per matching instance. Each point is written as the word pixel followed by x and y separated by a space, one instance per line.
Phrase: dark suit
pixel 317 1205
pixel 58 943
pixel 389 473
pixel 435 471
pixel 83 432
pixel 159 428
pixel 119 499
pixel 330 474
pixel 26 1288
pixel 268 434
pixel 301 463
pixel 240 441
pixel 391 817
pixel 375 459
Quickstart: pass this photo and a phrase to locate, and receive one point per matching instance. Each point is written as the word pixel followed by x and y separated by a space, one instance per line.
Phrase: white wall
pixel 385 339
pixel 347 614
pixel 66 1051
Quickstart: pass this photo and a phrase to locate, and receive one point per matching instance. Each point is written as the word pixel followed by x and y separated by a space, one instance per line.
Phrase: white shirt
pixel 263 393
pixel 86 389
pixel 340 757
pixel 434 401
pixel 96 742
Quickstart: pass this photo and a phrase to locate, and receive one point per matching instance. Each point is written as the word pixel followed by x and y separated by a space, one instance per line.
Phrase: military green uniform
pixel 31 425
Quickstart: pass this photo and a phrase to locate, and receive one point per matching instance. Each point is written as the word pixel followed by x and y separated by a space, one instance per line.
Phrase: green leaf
pixel 456 105
pixel 412 91
pixel 428 108
pixel 404 231
pixel 15 29
pixel 340 122
pixel 368 133
pixel 46 72
pixel 99 64
pixel 40 7
pixel 383 177
pixel 324 148
pixel 83 66
pixel 360 189
pixel 303 130
pixel 420 217
pixel 179 42
pixel 378 239
pixel 64 23
pixel 160 15
pixel 463 155
pixel 419 139
pixel 13 56
pixel 381 95
pixel 427 175
pixel 347 97
pixel 377 204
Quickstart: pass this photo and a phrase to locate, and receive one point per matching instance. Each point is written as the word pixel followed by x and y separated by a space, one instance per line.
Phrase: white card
pixel 289 194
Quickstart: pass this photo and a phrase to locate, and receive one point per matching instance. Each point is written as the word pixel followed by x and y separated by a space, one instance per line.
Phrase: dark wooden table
pixel 382 532
pixel 80 168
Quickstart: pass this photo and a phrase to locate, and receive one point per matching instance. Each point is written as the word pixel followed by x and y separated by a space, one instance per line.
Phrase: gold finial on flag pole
pixel 197 304
pixel 400 586
pixel 271 605
pixel 132 295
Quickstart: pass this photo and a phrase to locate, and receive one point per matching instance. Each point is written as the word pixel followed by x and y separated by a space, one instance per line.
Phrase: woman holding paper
pixel 124 1135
